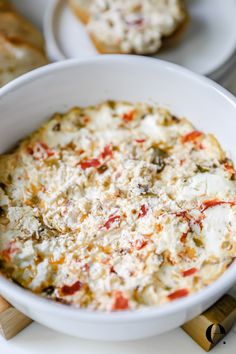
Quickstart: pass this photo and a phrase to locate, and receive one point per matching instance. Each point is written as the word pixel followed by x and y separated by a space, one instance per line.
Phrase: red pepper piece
pixel 48 150
pixel 107 152
pixel 183 237
pixel 50 153
pixel 214 202
pixel 129 116
pixel 110 221
pixel 44 145
pixel 139 244
pixel 71 289
pixel 30 150
pixel 178 294
pixel 229 168
pixel 143 211
pixel 112 270
pixel 90 163
pixel 140 140
pixel 189 272
pixel 121 302
pixel 191 137
pixel 211 203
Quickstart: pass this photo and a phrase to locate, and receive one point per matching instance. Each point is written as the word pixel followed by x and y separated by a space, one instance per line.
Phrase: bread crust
pixel 102 49
pixel 81 12
pixel 5 5
pixel 13 26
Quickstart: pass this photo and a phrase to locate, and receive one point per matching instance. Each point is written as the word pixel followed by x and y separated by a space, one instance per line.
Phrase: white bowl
pixel 26 102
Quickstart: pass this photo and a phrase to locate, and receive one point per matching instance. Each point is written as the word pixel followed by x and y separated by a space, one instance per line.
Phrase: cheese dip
pixel 115 207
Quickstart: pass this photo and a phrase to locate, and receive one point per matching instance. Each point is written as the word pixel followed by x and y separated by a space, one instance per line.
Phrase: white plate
pixel 207 45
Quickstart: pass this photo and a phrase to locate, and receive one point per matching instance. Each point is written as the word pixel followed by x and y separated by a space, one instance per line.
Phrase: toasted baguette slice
pixel 167 41
pixel 17 58
pixel 5 5
pixel 81 9
pixel 15 27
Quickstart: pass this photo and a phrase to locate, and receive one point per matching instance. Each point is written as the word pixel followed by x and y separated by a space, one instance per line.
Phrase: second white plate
pixel 207 45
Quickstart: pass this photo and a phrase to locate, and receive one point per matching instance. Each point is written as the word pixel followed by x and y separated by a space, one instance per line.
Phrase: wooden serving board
pixel 212 325
pixel 12 321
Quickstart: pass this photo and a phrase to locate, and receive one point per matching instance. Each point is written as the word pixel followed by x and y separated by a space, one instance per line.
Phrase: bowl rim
pixel 26 297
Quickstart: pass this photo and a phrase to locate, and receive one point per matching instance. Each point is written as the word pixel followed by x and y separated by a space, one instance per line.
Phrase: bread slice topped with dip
pixel 132 26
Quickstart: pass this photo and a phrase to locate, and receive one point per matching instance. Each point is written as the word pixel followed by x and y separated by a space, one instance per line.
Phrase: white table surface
pixel 37 339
